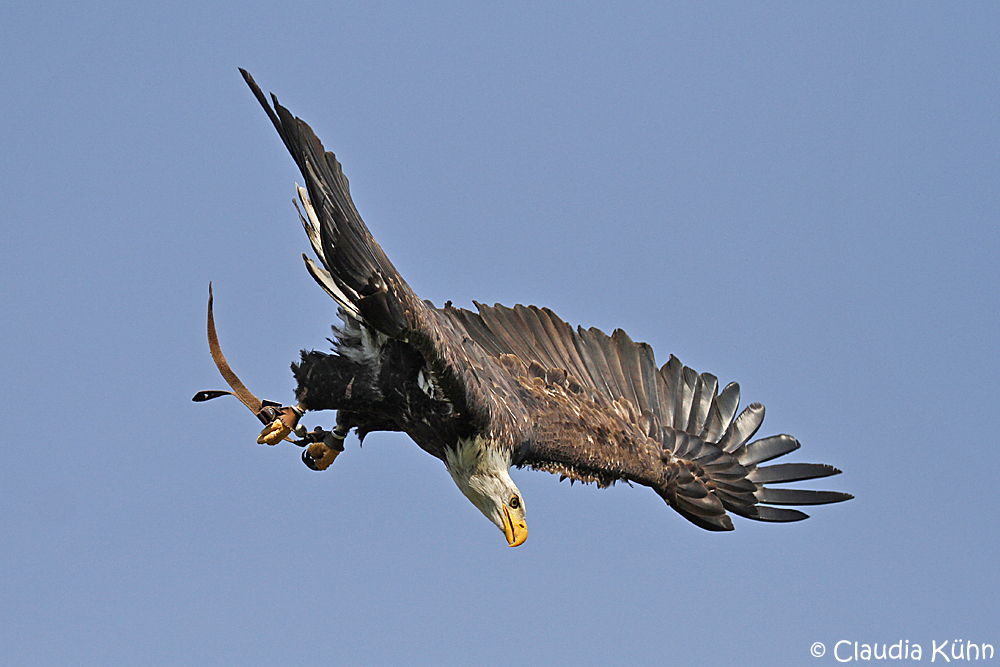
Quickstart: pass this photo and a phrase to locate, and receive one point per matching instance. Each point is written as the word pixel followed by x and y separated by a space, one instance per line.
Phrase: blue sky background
pixel 804 199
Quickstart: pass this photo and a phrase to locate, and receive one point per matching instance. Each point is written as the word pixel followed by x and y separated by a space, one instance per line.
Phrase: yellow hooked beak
pixel 515 529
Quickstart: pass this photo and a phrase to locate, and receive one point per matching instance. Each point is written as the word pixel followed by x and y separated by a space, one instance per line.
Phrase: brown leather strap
pixel 239 389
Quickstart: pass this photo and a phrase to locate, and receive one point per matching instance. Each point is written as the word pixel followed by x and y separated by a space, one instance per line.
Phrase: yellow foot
pixel 321 457
pixel 274 433
pixel 321 453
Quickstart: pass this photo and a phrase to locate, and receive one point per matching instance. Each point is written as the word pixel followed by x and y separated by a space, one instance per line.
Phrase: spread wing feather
pixel 681 436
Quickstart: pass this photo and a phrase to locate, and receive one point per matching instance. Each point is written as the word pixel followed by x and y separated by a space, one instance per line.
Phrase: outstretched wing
pixel 669 427
pixel 357 274
pixel 356 271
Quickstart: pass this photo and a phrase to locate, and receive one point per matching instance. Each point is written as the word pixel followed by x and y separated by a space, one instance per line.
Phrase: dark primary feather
pixel 579 403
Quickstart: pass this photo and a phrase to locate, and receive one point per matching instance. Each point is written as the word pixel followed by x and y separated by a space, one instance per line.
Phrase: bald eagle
pixel 484 391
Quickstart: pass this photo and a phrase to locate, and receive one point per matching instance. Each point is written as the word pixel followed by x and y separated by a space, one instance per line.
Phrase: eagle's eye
pixel 515 502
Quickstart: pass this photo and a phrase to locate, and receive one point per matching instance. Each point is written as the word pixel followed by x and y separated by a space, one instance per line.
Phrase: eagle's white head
pixel 482 473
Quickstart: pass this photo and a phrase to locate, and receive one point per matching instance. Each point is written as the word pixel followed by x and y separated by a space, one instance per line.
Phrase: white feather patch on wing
pixel 326 281
pixel 310 223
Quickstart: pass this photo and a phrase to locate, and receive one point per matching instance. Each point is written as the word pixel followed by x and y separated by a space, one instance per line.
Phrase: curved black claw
pixel 308 460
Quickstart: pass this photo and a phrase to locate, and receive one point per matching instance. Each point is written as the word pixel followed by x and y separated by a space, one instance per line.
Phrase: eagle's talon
pixel 274 433
pixel 307 459
pixel 318 456
pixel 321 448
pixel 280 423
